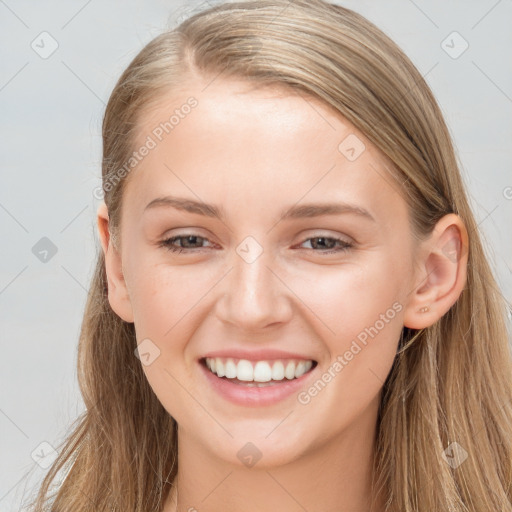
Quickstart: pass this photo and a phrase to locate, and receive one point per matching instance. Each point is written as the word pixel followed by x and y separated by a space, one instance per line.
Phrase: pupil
pixel 191 239
pixel 321 242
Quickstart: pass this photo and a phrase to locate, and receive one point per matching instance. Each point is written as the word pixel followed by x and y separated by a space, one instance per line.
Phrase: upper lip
pixel 256 355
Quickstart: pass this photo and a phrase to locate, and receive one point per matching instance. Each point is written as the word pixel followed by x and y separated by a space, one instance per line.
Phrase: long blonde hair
pixel 450 383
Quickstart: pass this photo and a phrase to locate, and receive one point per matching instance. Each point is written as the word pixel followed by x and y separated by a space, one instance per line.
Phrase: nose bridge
pixel 253 296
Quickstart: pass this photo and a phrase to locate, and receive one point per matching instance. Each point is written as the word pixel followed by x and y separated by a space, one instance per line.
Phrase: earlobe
pixel 118 296
pixel 442 273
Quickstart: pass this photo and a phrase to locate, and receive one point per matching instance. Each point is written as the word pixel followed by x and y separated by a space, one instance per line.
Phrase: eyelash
pixel 167 244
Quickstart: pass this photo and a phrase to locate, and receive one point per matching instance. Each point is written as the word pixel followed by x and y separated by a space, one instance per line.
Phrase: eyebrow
pixel 294 212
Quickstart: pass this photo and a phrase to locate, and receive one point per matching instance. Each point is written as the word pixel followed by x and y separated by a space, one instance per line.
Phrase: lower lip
pixel 255 396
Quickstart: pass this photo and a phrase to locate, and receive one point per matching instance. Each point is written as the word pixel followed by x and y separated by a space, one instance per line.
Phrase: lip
pixel 256 355
pixel 254 396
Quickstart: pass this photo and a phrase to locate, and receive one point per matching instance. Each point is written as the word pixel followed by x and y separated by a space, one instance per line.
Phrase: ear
pixel 118 296
pixel 441 273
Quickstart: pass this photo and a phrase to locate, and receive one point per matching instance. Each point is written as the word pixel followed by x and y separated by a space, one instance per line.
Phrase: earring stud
pixel 424 309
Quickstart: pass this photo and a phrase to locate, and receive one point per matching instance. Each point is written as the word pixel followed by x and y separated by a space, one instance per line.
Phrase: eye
pixel 324 242
pixel 187 242
pixel 191 242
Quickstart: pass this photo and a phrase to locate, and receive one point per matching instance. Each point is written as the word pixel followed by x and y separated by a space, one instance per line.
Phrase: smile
pixel 244 370
pixel 256 383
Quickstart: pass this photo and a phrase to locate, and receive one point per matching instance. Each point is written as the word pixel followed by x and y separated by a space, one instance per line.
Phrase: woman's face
pixel 295 245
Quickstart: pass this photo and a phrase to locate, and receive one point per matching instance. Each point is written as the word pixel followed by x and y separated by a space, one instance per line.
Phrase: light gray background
pixel 51 111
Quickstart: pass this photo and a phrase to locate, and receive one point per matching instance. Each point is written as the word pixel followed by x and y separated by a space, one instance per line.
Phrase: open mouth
pixel 262 373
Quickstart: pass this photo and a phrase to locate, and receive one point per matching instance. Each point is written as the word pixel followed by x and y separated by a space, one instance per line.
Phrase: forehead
pixel 236 110
pixel 239 139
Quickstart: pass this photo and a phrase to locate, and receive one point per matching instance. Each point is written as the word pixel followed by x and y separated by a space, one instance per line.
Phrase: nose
pixel 253 295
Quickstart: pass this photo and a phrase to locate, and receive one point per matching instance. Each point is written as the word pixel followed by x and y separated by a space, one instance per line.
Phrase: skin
pixel 255 152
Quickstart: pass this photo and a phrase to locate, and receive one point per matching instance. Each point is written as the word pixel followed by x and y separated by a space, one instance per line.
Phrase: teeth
pixel 262 372
pixel 300 369
pixel 278 371
pixel 230 369
pixel 289 371
pixel 220 368
pixel 244 371
pixel 259 371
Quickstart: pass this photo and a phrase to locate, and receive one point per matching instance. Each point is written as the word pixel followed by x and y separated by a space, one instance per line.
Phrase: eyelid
pixel 167 240
pixel 323 233
pixel 302 237
pixel 342 244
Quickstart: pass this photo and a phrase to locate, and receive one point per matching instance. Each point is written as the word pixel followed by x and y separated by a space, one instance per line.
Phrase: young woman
pixel 291 309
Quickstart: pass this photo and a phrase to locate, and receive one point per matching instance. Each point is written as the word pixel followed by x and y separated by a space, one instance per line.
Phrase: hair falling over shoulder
pixel 450 386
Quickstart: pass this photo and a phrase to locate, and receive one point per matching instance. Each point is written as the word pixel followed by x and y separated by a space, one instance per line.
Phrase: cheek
pixel 358 311
pixel 346 299
pixel 167 311
pixel 360 320
pixel 163 298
